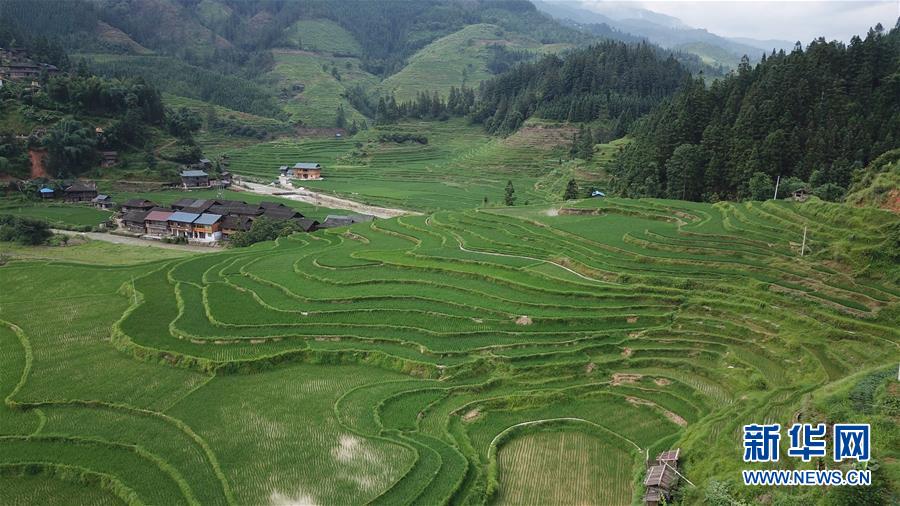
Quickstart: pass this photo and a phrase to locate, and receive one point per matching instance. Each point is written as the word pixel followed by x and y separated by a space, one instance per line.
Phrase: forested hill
pixel 811 116
pixel 612 83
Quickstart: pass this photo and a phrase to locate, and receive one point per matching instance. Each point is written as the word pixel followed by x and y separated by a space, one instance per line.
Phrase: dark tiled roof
pixel 281 214
pixel 139 203
pixel 333 220
pixel 306 224
pixel 135 216
pixel 234 222
pixel 241 208
pixel 194 173
pixel 82 186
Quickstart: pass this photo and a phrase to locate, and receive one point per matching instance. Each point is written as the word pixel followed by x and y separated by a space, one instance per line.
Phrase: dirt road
pixel 135 241
pixel 320 199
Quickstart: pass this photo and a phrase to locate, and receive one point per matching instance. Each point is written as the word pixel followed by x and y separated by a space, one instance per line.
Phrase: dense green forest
pixel 74 116
pixel 612 82
pixel 812 117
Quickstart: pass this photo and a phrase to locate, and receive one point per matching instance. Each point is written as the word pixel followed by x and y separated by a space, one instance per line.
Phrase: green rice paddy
pixel 460 167
pixel 458 357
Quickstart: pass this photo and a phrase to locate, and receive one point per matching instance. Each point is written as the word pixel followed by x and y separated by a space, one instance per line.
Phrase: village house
pixel 180 223
pixel 81 191
pixel 137 205
pixel 108 158
pixel 232 224
pixel 193 205
pixel 206 228
pixel 307 224
pixel 194 179
pixel 133 221
pixel 102 201
pixel 46 193
pixel 334 220
pixel 307 171
pixel 156 223
pixel 662 477
pixel 800 195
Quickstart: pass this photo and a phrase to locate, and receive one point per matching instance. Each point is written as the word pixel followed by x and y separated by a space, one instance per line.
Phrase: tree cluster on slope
pixel 609 81
pixel 816 115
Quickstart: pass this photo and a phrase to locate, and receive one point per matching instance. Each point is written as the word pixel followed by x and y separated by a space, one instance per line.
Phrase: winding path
pixel 136 241
pixel 321 199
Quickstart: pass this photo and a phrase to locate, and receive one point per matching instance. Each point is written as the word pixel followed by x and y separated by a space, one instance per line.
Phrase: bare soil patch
pixel 621 378
pixel 471 415
pixel 544 137
pixel 523 320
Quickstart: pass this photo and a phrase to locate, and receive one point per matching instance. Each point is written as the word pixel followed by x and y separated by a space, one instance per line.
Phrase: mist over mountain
pixel 662 29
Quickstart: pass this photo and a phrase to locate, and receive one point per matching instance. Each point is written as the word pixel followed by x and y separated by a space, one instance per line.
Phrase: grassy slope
pixel 878 184
pixel 317 104
pixel 56 212
pixel 91 252
pixel 322 35
pixel 459 59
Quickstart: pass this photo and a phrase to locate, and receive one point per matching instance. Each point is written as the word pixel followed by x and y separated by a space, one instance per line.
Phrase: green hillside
pixel 311 85
pixel 459 59
pixel 322 35
pixel 420 359
pixel 711 54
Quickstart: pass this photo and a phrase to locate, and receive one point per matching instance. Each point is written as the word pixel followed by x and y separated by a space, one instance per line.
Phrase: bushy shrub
pixel 24 230
pixel 400 138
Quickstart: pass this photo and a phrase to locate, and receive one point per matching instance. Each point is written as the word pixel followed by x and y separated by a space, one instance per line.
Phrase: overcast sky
pixel 790 20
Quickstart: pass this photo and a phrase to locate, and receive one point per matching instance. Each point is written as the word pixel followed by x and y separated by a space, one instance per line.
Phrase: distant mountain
pixel 667 31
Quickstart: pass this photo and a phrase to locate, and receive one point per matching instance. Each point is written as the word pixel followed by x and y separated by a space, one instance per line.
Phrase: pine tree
pixel 340 121
pixel 510 197
pixel 571 190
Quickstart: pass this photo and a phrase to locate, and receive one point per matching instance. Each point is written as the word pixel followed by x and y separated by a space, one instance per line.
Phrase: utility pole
pixel 803 245
pixel 776 187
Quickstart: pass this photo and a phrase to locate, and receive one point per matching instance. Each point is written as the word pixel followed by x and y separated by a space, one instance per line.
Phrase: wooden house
pixel 108 158
pixel 133 221
pixel 156 223
pixel 206 228
pixel 307 225
pixel 307 171
pixel 333 220
pixel 102 201
pixel 194 179
pixel 662 477
pixel 233 223
pixel 180 223
pixel 800 195
pixel 194 205
pixel 46 193
pixel 81 191
pixel 137 205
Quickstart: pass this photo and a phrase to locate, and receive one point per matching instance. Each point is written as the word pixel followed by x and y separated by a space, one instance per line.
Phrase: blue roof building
pixel 182 217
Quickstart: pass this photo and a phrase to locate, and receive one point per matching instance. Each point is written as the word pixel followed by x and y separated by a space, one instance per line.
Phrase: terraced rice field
pixel 443 358
pixel 459 168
